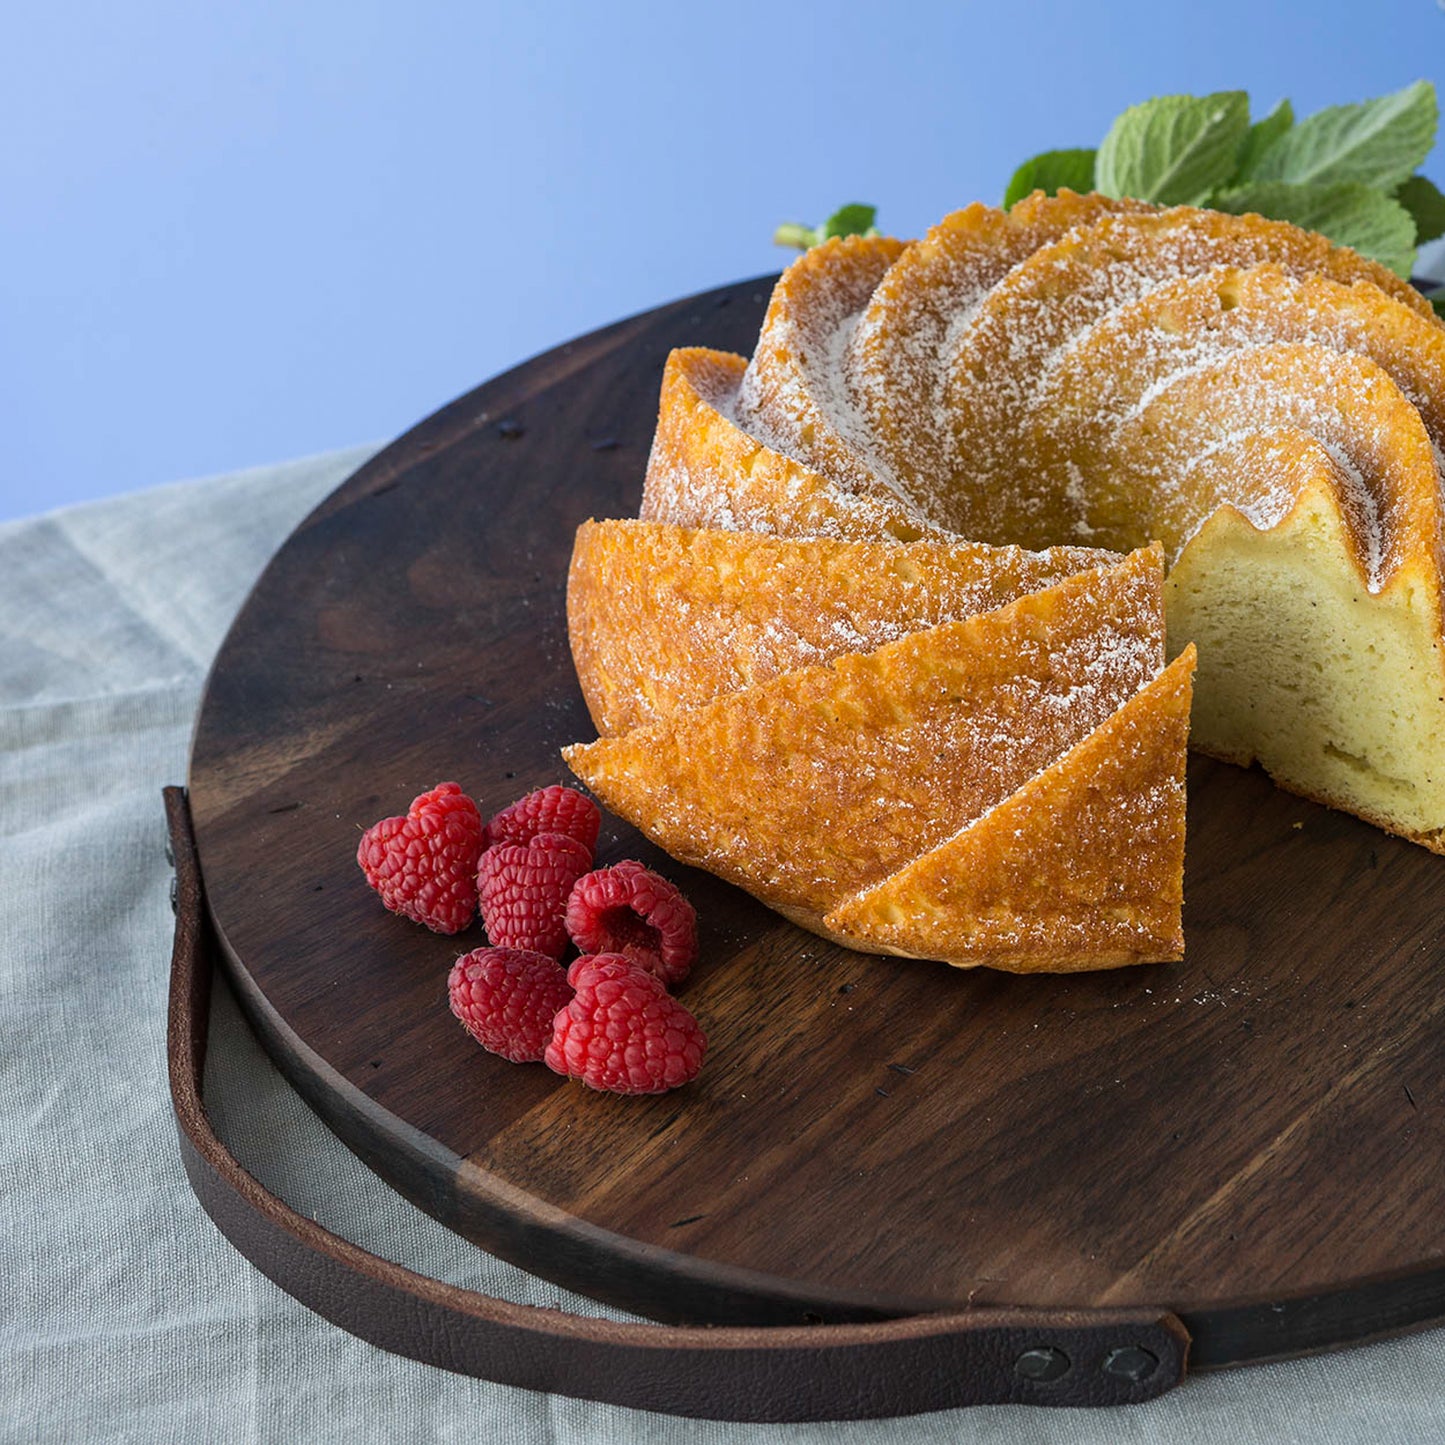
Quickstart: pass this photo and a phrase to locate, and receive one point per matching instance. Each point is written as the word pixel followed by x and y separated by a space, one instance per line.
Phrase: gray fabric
pixel 126 1316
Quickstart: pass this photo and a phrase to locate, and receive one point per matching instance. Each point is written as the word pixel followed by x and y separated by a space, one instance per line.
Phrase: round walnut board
pixel 1253 1138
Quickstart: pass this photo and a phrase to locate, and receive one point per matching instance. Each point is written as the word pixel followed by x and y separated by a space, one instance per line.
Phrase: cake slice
pixel 663 618
pixel 815 785
pixel 1082 867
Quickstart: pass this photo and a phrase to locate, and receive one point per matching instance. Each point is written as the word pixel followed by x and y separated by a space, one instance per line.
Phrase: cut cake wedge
pixel 812 787
pixel 663 618
pixel 1082 867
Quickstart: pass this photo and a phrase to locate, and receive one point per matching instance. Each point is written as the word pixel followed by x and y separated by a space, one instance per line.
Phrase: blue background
pixel 234 234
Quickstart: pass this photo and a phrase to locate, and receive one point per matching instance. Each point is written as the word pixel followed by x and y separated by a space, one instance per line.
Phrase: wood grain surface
pixel 1253 1137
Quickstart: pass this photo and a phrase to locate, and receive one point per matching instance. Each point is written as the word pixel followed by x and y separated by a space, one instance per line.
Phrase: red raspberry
pixel 508 999
pixel 424 865
pixel 623 1031
pixel 524 889
pixel 548 810
pixel 628 909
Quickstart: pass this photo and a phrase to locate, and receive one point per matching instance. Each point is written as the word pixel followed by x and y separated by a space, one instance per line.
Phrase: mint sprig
pixel 1421 197
pixel 1348 171
pixel 1261 137
pixel 1379 143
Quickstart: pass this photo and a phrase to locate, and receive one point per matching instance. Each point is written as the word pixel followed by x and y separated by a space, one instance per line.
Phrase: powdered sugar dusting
pixel 793 397
pixel 1075 375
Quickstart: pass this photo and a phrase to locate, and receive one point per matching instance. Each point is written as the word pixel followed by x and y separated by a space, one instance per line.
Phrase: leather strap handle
pixel 819 1372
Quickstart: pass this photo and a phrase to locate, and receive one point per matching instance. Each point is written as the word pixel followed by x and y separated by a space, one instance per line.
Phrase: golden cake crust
pixel 1033 319
pixel 783 395
pixel 704 470
pixel 663 618
pixel 891 371
pixel 1081 868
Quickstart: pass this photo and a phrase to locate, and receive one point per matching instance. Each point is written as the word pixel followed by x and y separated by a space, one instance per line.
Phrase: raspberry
pixel 508 999
pixel 548 810
pixel 623 1032
pixel 424 865
pixel 628 909
pixel 524 889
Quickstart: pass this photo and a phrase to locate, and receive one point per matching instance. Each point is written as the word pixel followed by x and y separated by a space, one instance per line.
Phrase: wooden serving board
pixel 1253 1137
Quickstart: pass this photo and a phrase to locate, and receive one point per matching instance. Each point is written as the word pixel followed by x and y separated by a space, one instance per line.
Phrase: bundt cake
pixel 1085 372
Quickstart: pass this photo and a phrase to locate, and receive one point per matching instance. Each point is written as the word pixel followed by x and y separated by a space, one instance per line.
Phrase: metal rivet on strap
pixel 1042 1363
pixel 1133 1363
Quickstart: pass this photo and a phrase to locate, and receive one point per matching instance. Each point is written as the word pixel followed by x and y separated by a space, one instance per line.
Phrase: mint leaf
pixel 1379 142
pixel 1260 137
pixel 1350 213
pixel 1174 149
pixel 1438 302
pixel 1052 172
pixel 852 220
pixel 1422 198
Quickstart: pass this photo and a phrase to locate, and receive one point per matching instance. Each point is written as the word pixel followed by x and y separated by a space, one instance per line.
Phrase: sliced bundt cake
pixel 1085 372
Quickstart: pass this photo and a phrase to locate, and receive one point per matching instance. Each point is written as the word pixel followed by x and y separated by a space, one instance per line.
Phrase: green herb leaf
pixel 1379 142
pixel 796 235
pixel 1350 213
pixel 1174 149
pixel 1421 197
pixel 1052 172
pixel 1260 137
pixel 851 220
pixel 1438 302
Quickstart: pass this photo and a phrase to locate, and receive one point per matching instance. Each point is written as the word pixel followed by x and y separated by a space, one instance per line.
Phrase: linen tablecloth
pixel 126 1315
